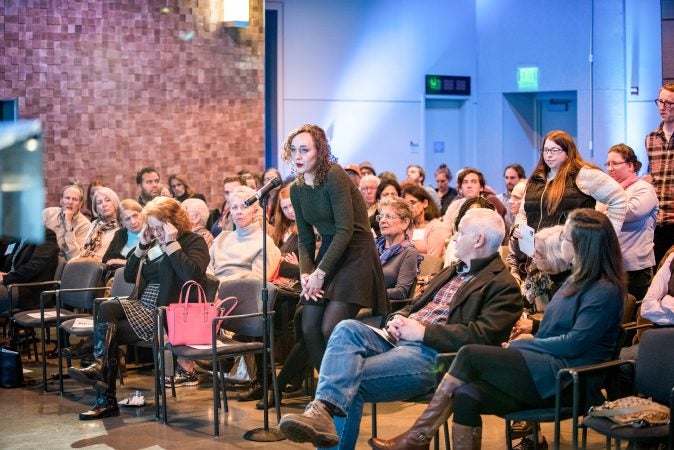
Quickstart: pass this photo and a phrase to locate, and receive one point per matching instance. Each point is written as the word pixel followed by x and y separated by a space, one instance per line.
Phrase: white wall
pixel 356 67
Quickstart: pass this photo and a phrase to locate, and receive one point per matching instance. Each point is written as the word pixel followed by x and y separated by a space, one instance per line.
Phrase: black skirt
pixel 357 277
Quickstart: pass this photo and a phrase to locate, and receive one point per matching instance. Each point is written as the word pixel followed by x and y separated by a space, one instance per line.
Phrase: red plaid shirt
pixel 661 167
pixel 437 310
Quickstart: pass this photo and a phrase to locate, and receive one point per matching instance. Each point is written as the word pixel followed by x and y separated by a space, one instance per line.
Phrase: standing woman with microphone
pixel 345 274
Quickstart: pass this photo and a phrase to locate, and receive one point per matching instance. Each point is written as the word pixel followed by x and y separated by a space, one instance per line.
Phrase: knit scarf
pixel 94 242
pixel 385 254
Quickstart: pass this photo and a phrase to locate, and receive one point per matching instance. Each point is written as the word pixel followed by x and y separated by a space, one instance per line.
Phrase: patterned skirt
pixel 141 313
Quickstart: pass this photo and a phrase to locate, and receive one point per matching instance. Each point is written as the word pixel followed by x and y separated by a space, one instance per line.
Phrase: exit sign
pixel 447 85
pixel 527 78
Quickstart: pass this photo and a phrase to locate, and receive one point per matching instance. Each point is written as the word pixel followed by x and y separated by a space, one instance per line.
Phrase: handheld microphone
pixel 263 191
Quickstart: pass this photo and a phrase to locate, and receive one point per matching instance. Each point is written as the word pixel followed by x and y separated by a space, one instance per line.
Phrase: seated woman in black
pixel 581 326
pixel 168 254
pixel 126 238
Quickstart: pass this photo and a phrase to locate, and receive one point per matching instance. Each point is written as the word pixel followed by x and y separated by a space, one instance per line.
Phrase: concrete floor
pixel 31 419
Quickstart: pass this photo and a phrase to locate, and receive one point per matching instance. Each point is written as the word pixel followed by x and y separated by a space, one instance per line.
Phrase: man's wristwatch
pixel 320 274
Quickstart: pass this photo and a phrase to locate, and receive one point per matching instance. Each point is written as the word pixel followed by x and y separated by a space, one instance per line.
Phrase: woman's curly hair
pixel 324 157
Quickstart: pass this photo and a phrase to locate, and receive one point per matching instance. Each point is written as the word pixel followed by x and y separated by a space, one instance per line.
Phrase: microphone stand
pixel 265 434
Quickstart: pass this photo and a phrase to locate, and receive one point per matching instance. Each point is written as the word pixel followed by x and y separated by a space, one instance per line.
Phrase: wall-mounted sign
pixel 527 78
pixel 447 85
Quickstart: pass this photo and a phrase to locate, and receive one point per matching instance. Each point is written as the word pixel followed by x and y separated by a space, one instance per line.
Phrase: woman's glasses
pixel 388 217
pixel 552 151
pixel 610 165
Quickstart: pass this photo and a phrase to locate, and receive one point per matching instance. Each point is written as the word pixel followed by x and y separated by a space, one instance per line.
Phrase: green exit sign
pixel 527 78
pixel 447 85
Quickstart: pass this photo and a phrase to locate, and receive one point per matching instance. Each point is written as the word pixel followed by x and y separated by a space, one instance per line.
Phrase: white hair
pixel 488 222
pixel 200 207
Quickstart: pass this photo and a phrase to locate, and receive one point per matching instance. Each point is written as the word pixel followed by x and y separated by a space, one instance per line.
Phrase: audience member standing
pixel 345 275
pixel 636 235
pixel 66 220
pixel 147 180
pixel 660 149
pixel 562 181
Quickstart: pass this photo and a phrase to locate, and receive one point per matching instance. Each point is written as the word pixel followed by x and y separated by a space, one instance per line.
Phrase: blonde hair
pixel 108 193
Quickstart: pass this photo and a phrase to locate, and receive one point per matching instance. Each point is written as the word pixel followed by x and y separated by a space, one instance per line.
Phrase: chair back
pixel 120 287
pixel 430 265
pixel 60 265
pixel 249 293
pixel 77 275
pixel 211 284
pixel 655 366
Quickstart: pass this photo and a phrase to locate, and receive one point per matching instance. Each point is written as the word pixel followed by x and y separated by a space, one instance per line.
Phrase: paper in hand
pixel 526 242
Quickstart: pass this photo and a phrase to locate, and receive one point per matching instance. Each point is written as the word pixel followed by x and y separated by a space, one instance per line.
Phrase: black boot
pixel 105 406
pixel 106 397
pixel 82 348
pixel 104 356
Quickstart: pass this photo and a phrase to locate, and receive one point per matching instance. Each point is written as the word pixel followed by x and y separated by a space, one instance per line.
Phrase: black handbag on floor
pixel 11 371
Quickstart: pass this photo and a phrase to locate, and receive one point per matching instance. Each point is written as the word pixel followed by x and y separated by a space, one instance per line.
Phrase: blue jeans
pixel 360 366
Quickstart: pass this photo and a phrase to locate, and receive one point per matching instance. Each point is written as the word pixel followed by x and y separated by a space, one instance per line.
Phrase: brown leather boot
pixel 419 436
pixel 466 438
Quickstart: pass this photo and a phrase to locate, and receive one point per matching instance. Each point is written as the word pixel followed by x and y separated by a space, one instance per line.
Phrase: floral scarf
pixel 94 242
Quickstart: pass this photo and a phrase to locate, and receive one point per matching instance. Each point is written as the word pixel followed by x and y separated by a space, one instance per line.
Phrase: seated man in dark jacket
pixel 24 262
pixel 476 301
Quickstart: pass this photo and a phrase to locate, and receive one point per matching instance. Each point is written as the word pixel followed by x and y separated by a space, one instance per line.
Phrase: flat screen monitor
pixel 21 180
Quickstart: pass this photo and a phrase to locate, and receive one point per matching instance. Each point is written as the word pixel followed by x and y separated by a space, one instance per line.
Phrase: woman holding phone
pixel 168 254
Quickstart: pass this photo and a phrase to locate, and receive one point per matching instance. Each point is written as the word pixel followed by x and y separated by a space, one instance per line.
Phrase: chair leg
pixel 374 420
pixel 43 353
pixel 448 446
pixel 509 434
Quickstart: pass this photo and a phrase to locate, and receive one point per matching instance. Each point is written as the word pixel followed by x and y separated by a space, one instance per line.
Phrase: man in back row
pixel 660 149
pixel 476 301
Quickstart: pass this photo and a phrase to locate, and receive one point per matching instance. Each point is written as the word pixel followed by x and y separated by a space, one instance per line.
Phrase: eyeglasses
pixel 665 104
pixel 610 165
pixel 552 151
pixel 380 217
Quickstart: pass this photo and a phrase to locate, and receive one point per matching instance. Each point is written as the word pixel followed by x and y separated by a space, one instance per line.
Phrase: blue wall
pixel 357 69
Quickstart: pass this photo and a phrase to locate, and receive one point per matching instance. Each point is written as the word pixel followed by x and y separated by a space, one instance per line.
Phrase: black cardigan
pixel 187 263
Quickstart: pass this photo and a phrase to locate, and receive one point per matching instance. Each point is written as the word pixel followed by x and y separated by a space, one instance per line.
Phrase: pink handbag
pixel 190 323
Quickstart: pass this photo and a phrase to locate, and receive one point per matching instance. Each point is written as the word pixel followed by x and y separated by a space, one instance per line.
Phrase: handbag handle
pixel 185 294
pixel 225 313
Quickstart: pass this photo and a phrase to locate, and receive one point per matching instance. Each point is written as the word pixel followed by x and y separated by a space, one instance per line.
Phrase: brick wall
pixel 121 84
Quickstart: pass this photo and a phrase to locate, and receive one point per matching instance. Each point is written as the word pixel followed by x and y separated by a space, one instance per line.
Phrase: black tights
pixel 318 321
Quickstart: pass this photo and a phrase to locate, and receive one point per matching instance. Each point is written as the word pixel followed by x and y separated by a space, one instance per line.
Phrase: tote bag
pixel 190 323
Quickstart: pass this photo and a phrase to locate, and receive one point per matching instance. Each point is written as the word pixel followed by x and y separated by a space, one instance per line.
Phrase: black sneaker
pixel 314 425
pixel 183 377
pixel 528 444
